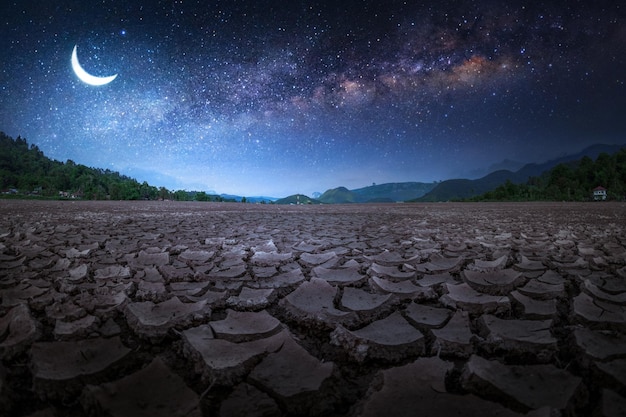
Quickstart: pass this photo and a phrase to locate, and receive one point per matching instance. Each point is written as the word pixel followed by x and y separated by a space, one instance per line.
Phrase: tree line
pixel 26 171
pixel 573 181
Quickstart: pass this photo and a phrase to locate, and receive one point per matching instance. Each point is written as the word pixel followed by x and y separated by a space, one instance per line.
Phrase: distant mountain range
pixel 25 170
pixel 456 189
pixel 382 193
pixel 507 164
pixel 453 189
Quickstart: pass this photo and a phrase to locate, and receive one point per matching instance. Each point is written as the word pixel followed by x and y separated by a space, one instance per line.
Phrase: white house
pixel 599 193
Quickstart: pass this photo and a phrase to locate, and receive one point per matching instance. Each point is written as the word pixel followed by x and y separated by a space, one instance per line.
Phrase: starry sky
pixel 281 97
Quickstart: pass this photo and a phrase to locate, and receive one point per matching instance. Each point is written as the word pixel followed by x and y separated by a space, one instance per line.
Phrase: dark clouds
pixel 271 97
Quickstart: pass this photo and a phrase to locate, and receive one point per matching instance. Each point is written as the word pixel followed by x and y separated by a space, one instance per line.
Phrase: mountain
pixel 297 199
pixel 393 191
pixel 581 180
pixel 507 164
pixel 26 171
pixel 533 170
pixel 457 189
pixel 381 193
pixel 340 195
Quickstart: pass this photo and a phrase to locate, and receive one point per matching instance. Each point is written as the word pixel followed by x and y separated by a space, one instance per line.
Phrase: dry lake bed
pixel 208 309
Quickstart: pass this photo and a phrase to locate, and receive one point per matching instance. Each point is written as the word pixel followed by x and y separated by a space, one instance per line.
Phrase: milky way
pixel 275 98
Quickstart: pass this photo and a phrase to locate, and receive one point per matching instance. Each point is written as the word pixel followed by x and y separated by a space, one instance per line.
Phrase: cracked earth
pixel 203 309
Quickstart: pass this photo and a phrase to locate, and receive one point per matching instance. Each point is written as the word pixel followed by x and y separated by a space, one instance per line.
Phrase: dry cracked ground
pixel 184 309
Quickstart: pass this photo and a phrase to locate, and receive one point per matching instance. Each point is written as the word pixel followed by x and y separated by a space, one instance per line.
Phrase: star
pixel 282 98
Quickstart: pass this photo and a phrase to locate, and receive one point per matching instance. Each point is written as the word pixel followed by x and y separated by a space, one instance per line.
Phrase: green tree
pixel 181 195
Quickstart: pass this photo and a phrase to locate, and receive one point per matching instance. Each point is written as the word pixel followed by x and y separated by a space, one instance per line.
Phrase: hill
pixel 381 193
pixel 340 195
pixel 26 171
pixel 459 189
pixel 570 181
pixel 393 191
pixel 297 199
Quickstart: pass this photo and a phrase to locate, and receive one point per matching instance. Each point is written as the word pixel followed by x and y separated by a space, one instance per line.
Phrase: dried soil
pixel 339 310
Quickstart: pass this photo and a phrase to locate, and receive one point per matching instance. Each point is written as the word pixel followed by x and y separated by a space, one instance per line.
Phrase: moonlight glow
pixel 84 76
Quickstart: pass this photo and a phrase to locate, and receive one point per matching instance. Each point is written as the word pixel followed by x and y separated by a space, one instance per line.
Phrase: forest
pixel 572 181
pixel 26 172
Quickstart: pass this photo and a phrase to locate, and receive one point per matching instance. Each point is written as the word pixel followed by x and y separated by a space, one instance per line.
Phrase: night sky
pixel 281 97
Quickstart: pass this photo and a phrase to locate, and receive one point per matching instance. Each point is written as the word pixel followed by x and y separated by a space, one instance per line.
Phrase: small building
pixel 599 193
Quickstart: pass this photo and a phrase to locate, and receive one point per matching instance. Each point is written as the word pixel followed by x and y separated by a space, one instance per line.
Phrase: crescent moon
pixel 84 76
